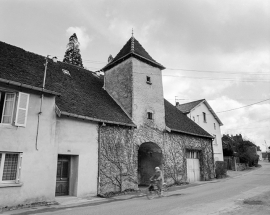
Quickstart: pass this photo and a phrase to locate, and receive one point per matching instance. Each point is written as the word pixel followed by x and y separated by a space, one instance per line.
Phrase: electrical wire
pixel 243 106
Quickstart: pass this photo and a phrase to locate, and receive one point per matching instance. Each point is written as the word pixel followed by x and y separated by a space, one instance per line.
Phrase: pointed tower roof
pixel 133 48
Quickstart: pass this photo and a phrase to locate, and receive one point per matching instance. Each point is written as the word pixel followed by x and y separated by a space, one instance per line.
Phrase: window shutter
pixel 22 109
pixel 18 176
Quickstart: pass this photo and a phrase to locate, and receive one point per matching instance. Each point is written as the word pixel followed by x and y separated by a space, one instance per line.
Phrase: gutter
pixel 190 133
pixel 14 83
pixel 64 113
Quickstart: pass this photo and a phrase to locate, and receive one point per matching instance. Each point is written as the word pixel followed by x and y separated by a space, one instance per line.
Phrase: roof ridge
pixel 192 101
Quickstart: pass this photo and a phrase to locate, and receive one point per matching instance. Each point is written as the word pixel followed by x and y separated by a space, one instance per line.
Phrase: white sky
pixel 228 42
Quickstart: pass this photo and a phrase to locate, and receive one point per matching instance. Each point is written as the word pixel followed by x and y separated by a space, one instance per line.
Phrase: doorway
pixel 149 157
pixel 62 175
pixel 193 165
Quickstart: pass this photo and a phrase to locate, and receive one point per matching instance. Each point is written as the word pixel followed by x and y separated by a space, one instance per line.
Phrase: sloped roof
pixel 81 91
pixel 179 122
pixel 135 49
pixel 187 107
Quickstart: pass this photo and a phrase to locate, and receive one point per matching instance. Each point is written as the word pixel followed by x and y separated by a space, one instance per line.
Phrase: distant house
pixel 259 152
pixel 87 133
pixel 201 112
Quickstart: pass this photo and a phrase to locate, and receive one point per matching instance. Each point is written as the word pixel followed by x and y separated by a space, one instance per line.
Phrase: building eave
pixel 18 84
pixel 64 113
pixel 130 54
pixel 189 133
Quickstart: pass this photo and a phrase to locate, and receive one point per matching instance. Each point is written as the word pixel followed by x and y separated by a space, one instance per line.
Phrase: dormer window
pixel 148 80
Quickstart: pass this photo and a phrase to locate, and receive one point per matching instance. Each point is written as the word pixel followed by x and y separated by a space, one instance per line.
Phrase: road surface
pixel 224 197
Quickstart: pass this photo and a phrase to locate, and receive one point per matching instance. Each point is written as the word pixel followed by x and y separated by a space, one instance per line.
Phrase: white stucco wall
pixel 67 136
pixel 80 138
pixel 197 113
pixel 37 171
pixel 147 96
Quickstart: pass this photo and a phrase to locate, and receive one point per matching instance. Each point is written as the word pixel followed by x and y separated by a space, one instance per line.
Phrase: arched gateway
pixel 149 156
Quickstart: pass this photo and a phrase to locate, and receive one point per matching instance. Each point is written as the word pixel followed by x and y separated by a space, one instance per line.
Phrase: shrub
pixel 221 169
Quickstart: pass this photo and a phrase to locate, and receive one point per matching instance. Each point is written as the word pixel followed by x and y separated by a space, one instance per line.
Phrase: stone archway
pixel 149 157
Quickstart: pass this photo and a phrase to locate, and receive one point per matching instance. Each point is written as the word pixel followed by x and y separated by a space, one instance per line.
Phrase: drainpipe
pixel 98 176
pixel 213 159
pixel 42 95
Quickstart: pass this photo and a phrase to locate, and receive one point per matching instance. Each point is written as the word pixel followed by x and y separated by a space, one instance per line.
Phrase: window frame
pixel 16 108
pixel 18 168
pixel 4 106
pixel 148 80
pixel 215 139
pixel 204 117
pixel 149 115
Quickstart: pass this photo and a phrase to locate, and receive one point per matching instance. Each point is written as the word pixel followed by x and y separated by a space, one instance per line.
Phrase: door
pixel 62 176
pixel 193 166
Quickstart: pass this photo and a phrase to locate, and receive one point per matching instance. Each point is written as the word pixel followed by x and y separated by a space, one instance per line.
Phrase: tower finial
pixel 132 41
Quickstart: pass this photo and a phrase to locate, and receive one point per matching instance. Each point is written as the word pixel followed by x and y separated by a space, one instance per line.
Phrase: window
pixel 204 117
pixel 198 117
pixel 148 80
pixel 7 102
pixel 149 115
pixel 193 118
pixel 215 139
pixel 8 109
pixel 10 165
pixel 192 154
pixel 215 126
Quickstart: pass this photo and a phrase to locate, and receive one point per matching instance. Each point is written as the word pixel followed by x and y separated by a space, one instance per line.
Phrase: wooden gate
pixel 193 166
pixel 62 176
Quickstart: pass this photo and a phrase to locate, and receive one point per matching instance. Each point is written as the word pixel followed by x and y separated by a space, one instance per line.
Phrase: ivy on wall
pixel 119 156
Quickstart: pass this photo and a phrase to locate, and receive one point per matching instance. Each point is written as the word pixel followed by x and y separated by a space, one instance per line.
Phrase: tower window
pixel 148 80
pixel 149 115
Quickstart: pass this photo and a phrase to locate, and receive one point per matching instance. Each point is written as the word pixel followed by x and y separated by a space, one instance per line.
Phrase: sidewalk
pixel 71 201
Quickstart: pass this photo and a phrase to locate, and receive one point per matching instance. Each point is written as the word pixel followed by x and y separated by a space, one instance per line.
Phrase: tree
pixel 242 148
pixel 72 54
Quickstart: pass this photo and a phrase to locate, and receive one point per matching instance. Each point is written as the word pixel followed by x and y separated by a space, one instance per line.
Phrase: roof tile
pixel 81 92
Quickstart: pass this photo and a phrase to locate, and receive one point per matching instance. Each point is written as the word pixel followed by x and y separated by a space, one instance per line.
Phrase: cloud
pixel 83 37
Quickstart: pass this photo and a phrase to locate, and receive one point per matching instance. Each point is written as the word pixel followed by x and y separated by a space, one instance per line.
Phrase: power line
pixel 182 69
pixel 215 71
pixel 243 106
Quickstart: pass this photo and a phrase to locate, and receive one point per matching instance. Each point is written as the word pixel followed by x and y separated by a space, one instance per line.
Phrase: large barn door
pixel 193 166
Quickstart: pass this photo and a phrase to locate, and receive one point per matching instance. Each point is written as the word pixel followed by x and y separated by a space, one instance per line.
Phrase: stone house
pixel 86 133
pixel 203 114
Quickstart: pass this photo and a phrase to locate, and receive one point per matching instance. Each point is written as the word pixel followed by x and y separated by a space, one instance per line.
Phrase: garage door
pixel 193 166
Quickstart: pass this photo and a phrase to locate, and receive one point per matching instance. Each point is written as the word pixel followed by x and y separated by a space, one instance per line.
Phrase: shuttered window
pixel 22 109
pixel 7 102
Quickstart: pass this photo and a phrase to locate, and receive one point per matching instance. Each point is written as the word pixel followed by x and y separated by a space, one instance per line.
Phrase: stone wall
pixel 119 156
pixel 118 83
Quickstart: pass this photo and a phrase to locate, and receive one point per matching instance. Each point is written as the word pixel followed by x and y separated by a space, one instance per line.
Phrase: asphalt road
pixel 224 197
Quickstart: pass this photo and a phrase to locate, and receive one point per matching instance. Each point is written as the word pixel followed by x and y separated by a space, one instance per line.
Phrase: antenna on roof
pixel 132 41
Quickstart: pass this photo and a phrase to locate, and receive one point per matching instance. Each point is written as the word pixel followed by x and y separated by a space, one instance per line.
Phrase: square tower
pixel 134 80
